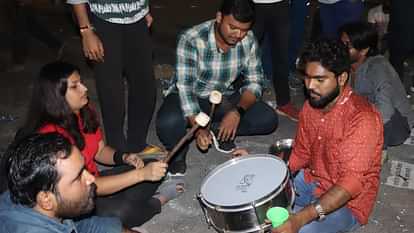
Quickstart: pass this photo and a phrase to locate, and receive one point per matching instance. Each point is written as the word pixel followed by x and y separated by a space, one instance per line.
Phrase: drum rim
pixel 236 208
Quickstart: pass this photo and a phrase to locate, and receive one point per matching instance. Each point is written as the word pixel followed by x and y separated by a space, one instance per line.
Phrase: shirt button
pixel 313 171
pixel 323 120
pixel 319 137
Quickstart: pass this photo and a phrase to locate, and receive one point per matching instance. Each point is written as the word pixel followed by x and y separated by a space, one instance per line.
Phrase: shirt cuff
pixel 351 184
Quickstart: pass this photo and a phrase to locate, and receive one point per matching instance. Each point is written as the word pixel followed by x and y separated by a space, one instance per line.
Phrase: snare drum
pixel 236 195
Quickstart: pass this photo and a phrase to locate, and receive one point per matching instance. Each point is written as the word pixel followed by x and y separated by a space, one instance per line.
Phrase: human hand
pixel 228 126
pixel 154 171
pixel 292 225
pixel 203 139
pixel 92 46
pixel 133 159
pixel 149 19
pixel 239 152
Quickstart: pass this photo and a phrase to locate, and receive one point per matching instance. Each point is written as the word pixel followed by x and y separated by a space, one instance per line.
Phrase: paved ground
pixel 394 207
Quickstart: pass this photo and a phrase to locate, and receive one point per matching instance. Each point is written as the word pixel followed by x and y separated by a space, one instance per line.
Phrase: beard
pixel 323 101
pixel 75 208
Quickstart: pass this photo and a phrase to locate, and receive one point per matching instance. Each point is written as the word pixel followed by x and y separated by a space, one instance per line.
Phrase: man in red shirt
pixel 337 149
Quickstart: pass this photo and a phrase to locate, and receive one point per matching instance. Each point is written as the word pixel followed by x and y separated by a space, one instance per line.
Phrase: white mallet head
pixel 215 97
pixel 202 119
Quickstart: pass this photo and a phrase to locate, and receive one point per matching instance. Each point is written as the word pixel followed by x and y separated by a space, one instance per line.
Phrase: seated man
pixel 337 148
pixel 376 79
pixel 222 55
pixel 48 186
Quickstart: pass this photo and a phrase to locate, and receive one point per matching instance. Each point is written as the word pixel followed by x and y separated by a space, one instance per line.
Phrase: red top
pixel 342 147
pixel 91 144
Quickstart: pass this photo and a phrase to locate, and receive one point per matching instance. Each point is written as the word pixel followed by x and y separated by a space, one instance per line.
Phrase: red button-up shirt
pixel 342 147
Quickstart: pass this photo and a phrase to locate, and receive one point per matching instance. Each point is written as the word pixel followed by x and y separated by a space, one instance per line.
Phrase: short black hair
pixel 242 10
pixel 332 54
pixel 362 35
pixel 31 166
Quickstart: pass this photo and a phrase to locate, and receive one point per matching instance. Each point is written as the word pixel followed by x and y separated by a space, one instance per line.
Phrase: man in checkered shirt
pixel 220 54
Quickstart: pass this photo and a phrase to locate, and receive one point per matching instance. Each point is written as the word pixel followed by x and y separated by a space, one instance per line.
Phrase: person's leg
pixel 94 224
pixel 137 57
pixel 298 13
pixel 327 20
pixel 134 205
pixel 278 28
pixel 347 11
pixel 260 119
pixel 396 130
pixel 171 126
pixel 110 84
pixel 401 34
pixel 340 220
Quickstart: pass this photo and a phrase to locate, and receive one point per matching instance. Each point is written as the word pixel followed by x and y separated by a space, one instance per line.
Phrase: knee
pixel 169 122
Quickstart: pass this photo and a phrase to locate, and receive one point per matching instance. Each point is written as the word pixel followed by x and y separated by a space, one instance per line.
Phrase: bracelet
pixel 118 157
pixel 86 28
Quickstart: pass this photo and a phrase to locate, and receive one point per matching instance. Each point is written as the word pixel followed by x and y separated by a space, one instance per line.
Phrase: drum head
pixel 243 180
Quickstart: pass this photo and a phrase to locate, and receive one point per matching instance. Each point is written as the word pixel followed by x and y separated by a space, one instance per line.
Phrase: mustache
pixel 313 92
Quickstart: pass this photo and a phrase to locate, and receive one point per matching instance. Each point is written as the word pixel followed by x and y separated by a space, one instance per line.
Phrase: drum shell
pixel 250 217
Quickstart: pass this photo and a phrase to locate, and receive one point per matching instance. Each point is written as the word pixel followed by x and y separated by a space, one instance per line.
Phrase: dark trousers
pixel 128 54
pixel 298 12
pixel 333 16
pixel 172 125
pixel 134 205
pixel 396 130
pixel 27 25
pixel 273 20
pixel 401 33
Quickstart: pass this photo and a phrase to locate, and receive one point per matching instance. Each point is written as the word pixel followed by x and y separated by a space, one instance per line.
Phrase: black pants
pixel 273 19
pixel 171 124
pixel 128 53
pixel 401 33
pixel 27 25
pixel 396 130
pixel 134 205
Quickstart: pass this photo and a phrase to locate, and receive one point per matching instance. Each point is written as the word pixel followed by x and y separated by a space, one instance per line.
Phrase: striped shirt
pixel 202 67
pixel 117 11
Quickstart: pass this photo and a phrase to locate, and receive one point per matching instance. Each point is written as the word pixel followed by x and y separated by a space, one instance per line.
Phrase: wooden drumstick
pixel 215 98
pixel 201 121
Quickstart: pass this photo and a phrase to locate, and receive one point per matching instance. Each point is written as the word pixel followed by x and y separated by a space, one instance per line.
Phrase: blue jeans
pixel 333 16
pixel 298 12
pixel 96 224
pixel 340 220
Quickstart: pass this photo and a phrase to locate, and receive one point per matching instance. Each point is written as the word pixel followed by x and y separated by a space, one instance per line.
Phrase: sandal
pixel 170 189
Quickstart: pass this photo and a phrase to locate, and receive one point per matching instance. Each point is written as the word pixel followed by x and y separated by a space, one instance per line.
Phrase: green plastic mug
pixel 277 215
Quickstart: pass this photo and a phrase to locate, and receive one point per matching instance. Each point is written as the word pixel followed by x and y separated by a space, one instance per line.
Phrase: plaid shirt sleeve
pixel 186 74
pixel 253 72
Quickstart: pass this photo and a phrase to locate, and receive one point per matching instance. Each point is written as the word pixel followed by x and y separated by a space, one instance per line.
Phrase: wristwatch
pixel 319 210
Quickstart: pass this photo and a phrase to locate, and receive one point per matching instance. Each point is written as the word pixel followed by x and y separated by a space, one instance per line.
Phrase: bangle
pixel 86 28
pixel 118 157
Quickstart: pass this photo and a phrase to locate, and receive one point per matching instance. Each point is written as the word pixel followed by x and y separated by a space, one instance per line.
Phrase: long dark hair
pixel 49 106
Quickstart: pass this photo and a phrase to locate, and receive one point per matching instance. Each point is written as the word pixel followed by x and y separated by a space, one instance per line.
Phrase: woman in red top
pixel 60 104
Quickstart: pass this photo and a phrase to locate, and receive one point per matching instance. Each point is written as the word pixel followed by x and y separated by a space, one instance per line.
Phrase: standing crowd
pixel 356 107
